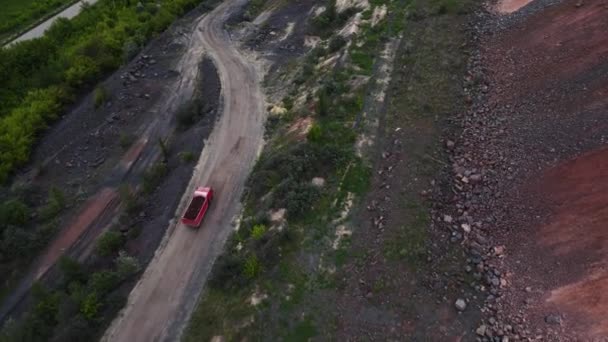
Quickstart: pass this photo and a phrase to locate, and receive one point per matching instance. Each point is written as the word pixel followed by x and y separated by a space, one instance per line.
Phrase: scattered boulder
pixel 460 304
pixel 319 182
pixel 554 319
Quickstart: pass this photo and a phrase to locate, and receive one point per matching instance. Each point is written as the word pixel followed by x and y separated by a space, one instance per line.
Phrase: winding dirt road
pixel 161 303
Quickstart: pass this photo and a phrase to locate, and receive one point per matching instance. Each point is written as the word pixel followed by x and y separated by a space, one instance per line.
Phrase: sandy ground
pixel 162 301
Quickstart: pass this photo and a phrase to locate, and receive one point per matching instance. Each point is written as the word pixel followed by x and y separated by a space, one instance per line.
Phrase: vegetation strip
pixel 15 28
pixel 311 182
pixel 43 76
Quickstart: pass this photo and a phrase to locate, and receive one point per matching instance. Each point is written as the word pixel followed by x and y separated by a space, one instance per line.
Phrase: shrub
pixel 54 205
pixel 258 231
pixel 228 272
pixel 315 133
pixel 129 200
pixel 126 140
pixel 109 243
pixel 336 43
pixel 126 265
pixel 72 271
pixel 129 50
pixel 100 96
pixel 252 267
pixel 188 114
pixel 83 71
pixel 16 242
pixel 186 156
pixel 301 200
pixel 103 282
pixel 324 102
pixel 90 306
pixel 13 212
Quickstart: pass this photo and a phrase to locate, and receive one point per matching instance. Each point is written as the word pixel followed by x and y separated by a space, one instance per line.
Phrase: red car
pixel 198 207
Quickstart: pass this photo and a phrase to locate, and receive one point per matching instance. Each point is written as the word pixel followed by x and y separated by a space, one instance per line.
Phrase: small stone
pixel 460 304
pixel 318 182
pixel 447 219
pixel 475 178
pixel 553 319
pixel 450 144
pixel 481 331
pixel 528 289
pixel 466 227
pixel 498 250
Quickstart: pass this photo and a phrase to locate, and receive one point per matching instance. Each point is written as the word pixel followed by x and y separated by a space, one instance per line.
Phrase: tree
pixel 109 243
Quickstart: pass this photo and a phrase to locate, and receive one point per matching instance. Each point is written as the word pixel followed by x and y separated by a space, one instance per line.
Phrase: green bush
pixel 258 231
pixel 41 76
pixel 90 306
pixel 109 243
pixel 54 205
pixel 301 200
pixel 324 102
pixel 126 265
pixel 82 72
pixel 336 43
pixel 103 282
pixel 186 156
pixel 126 140
pixel 100 96
pixel 72 270
pixel 18 127
pixel 188 114
pixel 13 212
pixel 228 272
pixel 129 199
pixel 252 267
pixel 315 133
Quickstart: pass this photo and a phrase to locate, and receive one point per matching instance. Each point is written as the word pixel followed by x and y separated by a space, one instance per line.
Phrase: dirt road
pixel 159 305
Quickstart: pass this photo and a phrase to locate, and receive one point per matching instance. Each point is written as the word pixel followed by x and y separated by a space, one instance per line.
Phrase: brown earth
pixel 540 136
pixel 576 236
pixel 567 252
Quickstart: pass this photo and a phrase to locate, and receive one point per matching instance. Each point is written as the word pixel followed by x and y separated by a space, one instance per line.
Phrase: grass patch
pixel 126 140
pixel 303 332
pixel 186 156
pixel 100 96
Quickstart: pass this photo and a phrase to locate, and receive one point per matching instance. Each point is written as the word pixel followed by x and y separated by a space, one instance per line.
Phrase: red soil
pixel 553 69
pixel 559 44
pixel 577 235
pixel 68 236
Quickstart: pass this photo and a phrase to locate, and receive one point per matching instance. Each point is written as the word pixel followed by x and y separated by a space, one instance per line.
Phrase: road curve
pixel 162 301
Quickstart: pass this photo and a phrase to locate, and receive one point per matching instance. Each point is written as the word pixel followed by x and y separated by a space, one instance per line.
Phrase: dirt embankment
pixel 538 132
